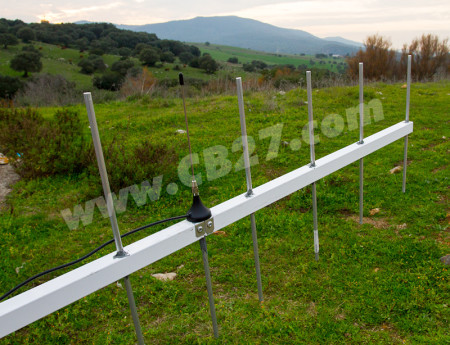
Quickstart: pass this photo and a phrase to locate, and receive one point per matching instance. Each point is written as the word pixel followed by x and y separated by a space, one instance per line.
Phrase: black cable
pixel 87 255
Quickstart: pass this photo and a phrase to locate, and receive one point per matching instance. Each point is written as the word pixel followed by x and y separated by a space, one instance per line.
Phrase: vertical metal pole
pixel 313 163
pixel 361 141
pixel 212 307
pixel 111 212
pixel 248 176
pixel 408 92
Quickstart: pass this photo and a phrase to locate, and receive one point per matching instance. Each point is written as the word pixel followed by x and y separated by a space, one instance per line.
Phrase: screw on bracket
pixel 204 228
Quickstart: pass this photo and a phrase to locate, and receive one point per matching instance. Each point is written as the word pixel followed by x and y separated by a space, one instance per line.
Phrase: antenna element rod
pixel 408 93
pixel 121 253
pixel 181 79
pixel 248 176
pixel 313 163
pixel 361 141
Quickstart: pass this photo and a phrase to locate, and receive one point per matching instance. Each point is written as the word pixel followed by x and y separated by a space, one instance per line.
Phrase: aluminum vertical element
pixel 361 141
pixel 313 163
pixel 212 307
pixel 248 176
pixel 121 253
pixel 408 93
pixel 310 119
pixel 103 173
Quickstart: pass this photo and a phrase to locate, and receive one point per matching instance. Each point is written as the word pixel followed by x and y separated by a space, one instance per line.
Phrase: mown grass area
pixel 223 53
pixel 376 283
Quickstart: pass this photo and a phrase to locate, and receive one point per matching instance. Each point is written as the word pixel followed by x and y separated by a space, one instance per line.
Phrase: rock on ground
pixel 7 178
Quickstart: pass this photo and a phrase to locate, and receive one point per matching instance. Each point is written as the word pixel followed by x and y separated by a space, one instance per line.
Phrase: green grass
pixel 379 283
pixel 223 53
pixel 56 60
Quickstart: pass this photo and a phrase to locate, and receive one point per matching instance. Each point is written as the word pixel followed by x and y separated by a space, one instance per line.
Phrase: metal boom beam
pixel 57 293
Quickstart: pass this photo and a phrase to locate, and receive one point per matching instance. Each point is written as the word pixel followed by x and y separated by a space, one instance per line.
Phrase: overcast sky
pixel 399 20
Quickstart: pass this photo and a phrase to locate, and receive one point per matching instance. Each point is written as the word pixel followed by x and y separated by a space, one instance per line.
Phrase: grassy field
pixel 65 62
pixel 223 53
pixel 377 283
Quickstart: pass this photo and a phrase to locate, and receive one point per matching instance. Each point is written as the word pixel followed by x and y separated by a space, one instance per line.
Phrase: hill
pixel 244 33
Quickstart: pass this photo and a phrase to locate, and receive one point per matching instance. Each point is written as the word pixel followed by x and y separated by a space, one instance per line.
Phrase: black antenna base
pixel 198 212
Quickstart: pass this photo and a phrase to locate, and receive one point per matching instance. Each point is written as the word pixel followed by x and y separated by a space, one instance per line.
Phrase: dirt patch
pixel 436 170
pixel 7 178
pixel 379 223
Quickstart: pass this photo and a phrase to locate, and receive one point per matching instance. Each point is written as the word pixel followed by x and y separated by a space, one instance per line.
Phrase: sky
pixel 399 20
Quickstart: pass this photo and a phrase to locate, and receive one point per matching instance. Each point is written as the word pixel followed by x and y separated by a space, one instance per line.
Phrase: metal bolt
pixel 210 224
pixel 200 229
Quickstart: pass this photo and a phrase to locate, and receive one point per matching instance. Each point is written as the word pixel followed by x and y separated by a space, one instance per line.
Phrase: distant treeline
pixel 97 38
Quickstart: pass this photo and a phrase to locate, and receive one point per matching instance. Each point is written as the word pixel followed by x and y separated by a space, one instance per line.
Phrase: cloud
pixel 354 19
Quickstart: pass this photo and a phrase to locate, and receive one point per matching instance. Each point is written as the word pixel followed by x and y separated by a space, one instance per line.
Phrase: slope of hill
pixel 244 33
pixel 344 41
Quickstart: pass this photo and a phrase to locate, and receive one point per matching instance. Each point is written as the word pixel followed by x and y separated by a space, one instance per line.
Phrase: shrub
pixel 128 166
pixel 9 86
pixel 93 63
pixel 59 146
pixel 122 66
pixel 233 60
pixel 47 147
pixel 140 84
pixel 48 90
pixel 109 81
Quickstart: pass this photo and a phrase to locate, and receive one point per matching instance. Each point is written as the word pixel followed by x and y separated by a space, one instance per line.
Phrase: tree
pixel 122 66
pixel 9 86
pixel 207 63
pixel 8 40
pixel 26 61
pixel 149 56
pixel 167 57
pixel 429 54
pixel 26 34
pixel 186 57
pixel 93 63
pixel 378 58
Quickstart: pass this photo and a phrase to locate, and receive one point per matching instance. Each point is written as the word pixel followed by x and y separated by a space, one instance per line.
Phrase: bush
pixel 109 81
pixel 93 63
pixel 59 146
pixel 254 66
pixel 122 66
pixel 127 166
pixel 48 90
pixel 9 86
pixel 47 147
pixel 233 60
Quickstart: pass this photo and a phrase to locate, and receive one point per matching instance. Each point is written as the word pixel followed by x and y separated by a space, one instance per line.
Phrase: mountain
pixel 344 41
pixel 244 33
